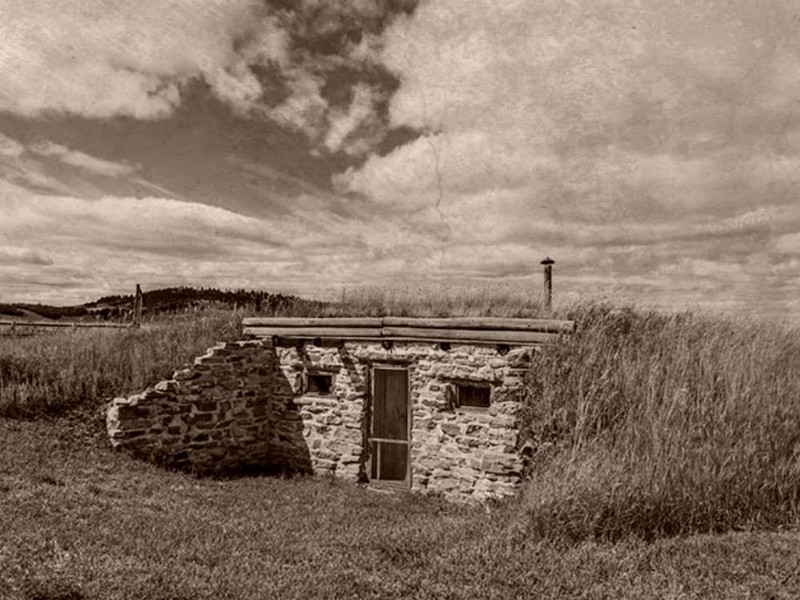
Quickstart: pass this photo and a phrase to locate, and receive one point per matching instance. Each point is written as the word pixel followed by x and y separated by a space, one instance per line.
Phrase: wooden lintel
pixel 479 323
pixel 290 340
pixel 314 332
pixel 491 323
pixel 496 336
pixel 313 322
pixel 466 330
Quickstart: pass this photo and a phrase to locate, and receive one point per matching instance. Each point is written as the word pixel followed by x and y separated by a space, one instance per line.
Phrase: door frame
pixel 406 482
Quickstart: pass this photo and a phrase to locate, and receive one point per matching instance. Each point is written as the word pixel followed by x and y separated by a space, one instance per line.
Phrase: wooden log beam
pixel 465 330
pixel 406 334
pixel 454 335
pixel 312 322
pixel 309 333
pixel 492 323
pixel 290 340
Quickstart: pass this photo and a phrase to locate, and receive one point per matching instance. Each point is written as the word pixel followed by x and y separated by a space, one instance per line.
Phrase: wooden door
pixel 390 426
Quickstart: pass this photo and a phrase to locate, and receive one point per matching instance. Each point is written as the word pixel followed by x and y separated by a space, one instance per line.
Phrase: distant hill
pixel 165 301
pixel 40 311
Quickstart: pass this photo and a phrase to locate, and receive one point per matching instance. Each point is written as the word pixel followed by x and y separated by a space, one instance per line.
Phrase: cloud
pixel 647 144
pixel 628 93
pixel 277 62
pixel 360 113
pixel 707 270
pixel 10 148
pixel 81 159
pixel 466 162
pixel 93 246
pixel 525 62
pixel 24 256
pixel 115 58
pixel 650 145
pixel 156 225
pixel 334 89
pixel 788 243
pixel 304 108
pixel 40 166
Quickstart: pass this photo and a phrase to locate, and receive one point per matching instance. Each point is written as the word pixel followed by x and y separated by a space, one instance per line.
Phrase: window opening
pixel 320 384
pixel 472 396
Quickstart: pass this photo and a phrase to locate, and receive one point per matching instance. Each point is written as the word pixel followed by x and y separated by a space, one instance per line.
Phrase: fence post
pixel 548 282
pixel 137 307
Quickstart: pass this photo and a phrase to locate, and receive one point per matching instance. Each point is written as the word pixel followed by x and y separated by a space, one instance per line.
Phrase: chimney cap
pixel 548 261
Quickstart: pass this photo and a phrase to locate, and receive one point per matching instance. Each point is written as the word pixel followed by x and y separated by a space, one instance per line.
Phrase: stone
pixel 475 429
pixel 200 418
pixel 185 374
pixel 241 404
pixel 451 429
pixel 133 413
pixel 501 463
pixel 167 387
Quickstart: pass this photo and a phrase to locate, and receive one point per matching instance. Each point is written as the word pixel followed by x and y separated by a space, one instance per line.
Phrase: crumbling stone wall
pixel 212 416
pixel 246 404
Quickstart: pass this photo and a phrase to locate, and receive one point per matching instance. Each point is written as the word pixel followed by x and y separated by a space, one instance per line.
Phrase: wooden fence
pixel 13 325
pixel 9 326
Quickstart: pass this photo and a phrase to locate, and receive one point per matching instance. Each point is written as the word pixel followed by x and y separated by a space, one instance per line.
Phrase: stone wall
pixel 247 404
pixel 210 417
pixel 333 426
pixel 460 453
pixel 467 452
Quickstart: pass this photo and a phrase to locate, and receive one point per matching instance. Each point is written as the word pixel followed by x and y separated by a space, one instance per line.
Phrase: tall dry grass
pixel 659 424
pixel 641 422
pixel 57 371
pixel 432 300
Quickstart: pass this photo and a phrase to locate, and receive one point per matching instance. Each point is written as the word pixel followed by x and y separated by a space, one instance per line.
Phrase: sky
pixel 651 148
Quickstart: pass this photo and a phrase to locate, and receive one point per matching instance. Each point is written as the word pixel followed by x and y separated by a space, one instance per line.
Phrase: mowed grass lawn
pixel 79 521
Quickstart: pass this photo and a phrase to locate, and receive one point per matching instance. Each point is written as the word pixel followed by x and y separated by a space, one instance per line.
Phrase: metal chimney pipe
pixel 547 297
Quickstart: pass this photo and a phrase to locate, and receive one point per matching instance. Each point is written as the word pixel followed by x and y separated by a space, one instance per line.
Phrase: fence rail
pixel 15 324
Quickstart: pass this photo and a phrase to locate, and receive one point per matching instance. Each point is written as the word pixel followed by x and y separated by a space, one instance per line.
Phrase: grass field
pixel 78 521
pixel 666 464
pixel 59 370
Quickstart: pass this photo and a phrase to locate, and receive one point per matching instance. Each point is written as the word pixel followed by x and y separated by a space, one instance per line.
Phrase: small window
pixel 472 396
pixel 320 384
